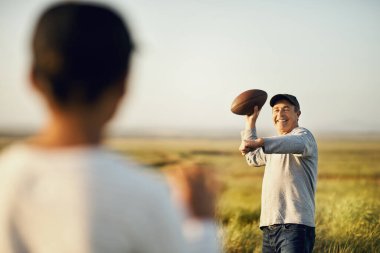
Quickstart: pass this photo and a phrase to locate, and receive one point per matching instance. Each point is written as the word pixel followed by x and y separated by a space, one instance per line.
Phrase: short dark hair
pixel 79 50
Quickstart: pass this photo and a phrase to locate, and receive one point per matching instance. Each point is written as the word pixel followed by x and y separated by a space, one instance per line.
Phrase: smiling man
pixel 290 177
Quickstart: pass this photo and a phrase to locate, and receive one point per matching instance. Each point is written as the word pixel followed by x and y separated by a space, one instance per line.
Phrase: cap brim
pixel 276 98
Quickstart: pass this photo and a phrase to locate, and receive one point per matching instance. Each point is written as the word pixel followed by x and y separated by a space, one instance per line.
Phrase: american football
pixel 246 101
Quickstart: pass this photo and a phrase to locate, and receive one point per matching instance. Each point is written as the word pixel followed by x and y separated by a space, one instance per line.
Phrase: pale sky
pixel 195 56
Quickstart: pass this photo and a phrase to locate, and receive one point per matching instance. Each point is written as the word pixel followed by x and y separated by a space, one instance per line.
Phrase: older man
pixel 290 176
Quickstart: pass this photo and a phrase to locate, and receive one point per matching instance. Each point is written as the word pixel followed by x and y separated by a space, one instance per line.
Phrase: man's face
pixel 285 118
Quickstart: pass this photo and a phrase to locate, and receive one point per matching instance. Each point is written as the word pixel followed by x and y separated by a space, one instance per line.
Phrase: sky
pixel 195 56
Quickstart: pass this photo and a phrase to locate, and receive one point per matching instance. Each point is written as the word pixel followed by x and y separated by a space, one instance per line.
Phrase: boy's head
pixel 79 51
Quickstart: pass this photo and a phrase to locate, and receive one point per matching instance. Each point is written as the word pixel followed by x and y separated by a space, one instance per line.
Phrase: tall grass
pixel 348 217
pixel 347 199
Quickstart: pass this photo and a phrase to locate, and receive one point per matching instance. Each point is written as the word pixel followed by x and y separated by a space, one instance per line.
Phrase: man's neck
pixel 284 133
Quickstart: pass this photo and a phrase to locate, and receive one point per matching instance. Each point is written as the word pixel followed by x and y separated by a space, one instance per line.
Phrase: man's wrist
pixel 250 126
pixel 261 142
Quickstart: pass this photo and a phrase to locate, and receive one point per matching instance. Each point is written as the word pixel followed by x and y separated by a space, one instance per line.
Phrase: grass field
pixel 347 200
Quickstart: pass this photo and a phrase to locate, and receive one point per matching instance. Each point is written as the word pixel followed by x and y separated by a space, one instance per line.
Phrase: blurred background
pixel 194 57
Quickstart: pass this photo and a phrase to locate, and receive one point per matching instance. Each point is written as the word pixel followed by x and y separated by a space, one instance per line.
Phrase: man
pixel 61 191
pixel 290 176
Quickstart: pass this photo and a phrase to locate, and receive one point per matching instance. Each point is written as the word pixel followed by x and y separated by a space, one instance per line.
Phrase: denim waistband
pixel 287 225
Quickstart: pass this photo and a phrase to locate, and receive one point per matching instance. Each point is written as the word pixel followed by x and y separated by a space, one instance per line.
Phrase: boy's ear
pixel 121 87
pixel 38 86
pixel 33 80
pixel 32 76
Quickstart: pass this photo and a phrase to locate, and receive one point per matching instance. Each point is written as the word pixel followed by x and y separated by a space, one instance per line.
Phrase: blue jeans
pixel 288 238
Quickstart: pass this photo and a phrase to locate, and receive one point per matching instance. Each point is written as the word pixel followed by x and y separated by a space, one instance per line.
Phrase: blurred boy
pixel 61 191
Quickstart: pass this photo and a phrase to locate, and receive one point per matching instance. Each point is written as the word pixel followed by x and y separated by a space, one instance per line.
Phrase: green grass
pixel 347 199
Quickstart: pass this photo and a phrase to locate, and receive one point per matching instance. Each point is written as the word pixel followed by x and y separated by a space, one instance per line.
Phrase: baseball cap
pixel 292 99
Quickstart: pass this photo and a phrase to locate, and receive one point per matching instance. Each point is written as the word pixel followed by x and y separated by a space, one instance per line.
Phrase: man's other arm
pixel 255 157
pixel 300 142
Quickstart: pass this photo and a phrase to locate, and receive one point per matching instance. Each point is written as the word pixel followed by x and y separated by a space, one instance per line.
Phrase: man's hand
pixel 244 149
pixel 251 119
pixel 250 145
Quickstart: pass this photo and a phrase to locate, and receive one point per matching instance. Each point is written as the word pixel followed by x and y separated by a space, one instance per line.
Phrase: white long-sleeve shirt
pixel 83 200
pixel 290 176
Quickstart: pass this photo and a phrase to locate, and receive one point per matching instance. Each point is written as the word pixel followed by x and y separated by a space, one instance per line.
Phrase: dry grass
pixel 348 204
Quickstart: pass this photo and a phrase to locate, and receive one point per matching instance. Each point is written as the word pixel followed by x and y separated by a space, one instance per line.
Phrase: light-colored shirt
pixel 83 200
pixel 290 176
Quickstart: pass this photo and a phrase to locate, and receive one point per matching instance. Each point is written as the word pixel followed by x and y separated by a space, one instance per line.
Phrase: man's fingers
pixel 242 146
pixel 251 118
pixel 256 110
pixel 249 144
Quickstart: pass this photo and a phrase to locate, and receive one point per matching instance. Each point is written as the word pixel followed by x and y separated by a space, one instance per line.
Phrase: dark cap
pixel 292 99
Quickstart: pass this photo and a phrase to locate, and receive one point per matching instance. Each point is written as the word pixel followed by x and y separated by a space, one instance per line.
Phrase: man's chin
pixel 281 127
pixel 282 130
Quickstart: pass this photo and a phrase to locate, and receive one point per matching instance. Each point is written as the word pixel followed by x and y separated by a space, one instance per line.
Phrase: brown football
pixel 246 101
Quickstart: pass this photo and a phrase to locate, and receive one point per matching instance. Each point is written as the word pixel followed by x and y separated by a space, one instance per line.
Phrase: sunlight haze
pixel 194 57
